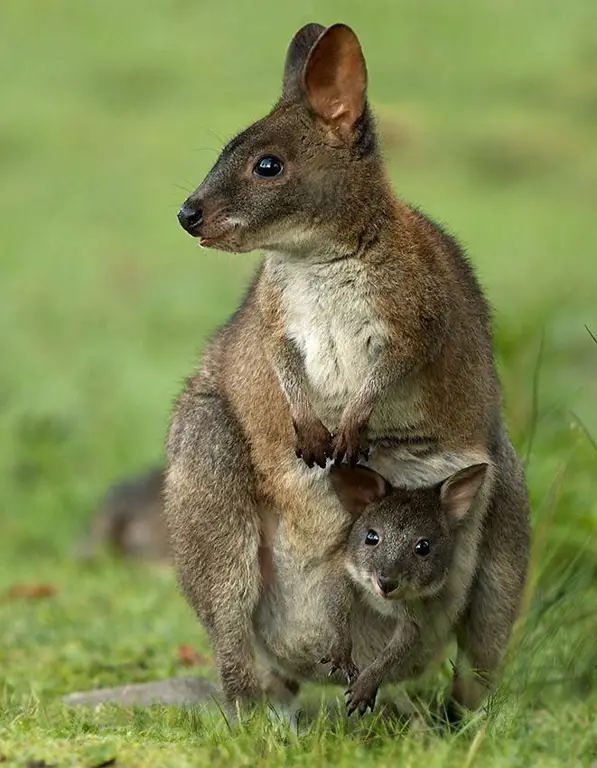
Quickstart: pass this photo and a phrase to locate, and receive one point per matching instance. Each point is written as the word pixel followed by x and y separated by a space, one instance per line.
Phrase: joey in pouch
pixel 407 552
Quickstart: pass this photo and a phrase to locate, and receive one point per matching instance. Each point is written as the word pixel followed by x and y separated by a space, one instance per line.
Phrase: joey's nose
pixel 387 584
pixel 190 217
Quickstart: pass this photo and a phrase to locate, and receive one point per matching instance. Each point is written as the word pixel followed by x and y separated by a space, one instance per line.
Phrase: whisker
pixel 205 149
pixel 188 190
pixel 216 136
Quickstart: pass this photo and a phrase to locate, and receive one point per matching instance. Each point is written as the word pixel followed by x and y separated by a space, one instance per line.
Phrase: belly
pixel 292 637
pixel 418 466
pixel 293 627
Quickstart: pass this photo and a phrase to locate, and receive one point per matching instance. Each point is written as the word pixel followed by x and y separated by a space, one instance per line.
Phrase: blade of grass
pixel 535 400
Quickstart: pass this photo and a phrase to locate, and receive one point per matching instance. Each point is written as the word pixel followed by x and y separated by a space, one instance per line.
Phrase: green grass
pixel 109 113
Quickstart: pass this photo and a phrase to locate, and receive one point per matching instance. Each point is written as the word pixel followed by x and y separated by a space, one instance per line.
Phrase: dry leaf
pixel 30 591
pixel 189 657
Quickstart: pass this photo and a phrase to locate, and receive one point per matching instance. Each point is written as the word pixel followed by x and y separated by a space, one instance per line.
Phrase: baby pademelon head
pixel 401 543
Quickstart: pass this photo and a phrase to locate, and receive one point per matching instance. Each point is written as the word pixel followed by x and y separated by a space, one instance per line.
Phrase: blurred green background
pixel 111 112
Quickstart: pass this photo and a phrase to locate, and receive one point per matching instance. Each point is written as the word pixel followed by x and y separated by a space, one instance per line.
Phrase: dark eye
pixel 268 167
pixel 423 547
pixel 372 538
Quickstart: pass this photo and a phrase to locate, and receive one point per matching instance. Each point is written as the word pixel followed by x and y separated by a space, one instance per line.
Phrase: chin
pixel 386 605
pixel 427 590
pixel 221 244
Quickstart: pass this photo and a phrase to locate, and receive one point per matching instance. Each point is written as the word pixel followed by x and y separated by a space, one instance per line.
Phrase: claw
pixel 352 674
pixel 334 669
pixel 355 702
pixel 313 441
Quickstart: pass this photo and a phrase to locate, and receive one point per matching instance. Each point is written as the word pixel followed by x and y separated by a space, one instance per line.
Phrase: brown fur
pixel 365 332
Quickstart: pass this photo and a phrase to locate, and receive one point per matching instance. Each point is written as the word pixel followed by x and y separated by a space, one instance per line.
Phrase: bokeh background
pixel 112 112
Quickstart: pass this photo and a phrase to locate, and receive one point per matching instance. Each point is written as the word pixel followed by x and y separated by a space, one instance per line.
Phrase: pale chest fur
pixel 328 313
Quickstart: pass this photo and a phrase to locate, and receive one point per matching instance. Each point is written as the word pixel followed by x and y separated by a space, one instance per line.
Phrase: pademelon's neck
pixel 365 221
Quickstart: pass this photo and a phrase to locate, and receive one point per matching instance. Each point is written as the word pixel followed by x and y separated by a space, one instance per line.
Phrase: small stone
pixel 174 692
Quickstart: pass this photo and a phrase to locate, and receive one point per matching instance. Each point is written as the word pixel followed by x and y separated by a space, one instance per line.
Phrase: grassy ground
pixel 109 113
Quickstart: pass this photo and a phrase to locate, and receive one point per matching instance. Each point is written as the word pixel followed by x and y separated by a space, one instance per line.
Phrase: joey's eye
pixel 268 167
pixel 372 538
pixel 423 547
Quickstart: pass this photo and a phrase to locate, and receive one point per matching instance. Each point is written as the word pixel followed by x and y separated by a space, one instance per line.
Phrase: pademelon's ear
pixel 296 58
pixel 356 487
pixel 458 491
pixel 335 79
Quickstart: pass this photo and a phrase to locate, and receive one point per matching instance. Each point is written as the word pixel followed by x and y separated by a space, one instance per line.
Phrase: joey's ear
pixel 459 490
pixel 357 487
pixel 335 79
pixel 296 57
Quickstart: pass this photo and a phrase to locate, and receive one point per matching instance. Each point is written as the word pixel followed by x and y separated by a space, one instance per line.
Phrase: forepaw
pixel 361 696
pixel 345 666
pixel 313 442
pixel 351 444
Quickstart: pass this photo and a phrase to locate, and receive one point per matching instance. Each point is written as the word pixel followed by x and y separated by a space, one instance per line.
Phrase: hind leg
pixel 215 530
pixel 282 692
pixel 485 629
pixel 482 642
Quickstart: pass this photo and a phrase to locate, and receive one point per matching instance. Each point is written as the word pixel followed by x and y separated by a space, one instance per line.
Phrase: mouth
pixel 213 241
pixel 393 595
pixel 209 242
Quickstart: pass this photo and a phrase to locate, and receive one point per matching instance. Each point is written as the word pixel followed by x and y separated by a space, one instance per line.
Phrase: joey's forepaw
pixel 361 696
pixel 313 442
pixel 351 444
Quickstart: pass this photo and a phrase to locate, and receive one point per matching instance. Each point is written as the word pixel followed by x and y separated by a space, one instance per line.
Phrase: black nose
pixel 387 584
pixel 190 217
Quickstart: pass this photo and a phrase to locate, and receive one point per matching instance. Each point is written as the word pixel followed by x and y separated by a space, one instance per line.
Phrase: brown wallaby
pixel 129 520
pixel 365 333
pixel 408 553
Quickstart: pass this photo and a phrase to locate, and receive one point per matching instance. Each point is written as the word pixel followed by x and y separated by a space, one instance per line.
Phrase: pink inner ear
pixel 358 487
pixel 459 490
pixel 335 78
